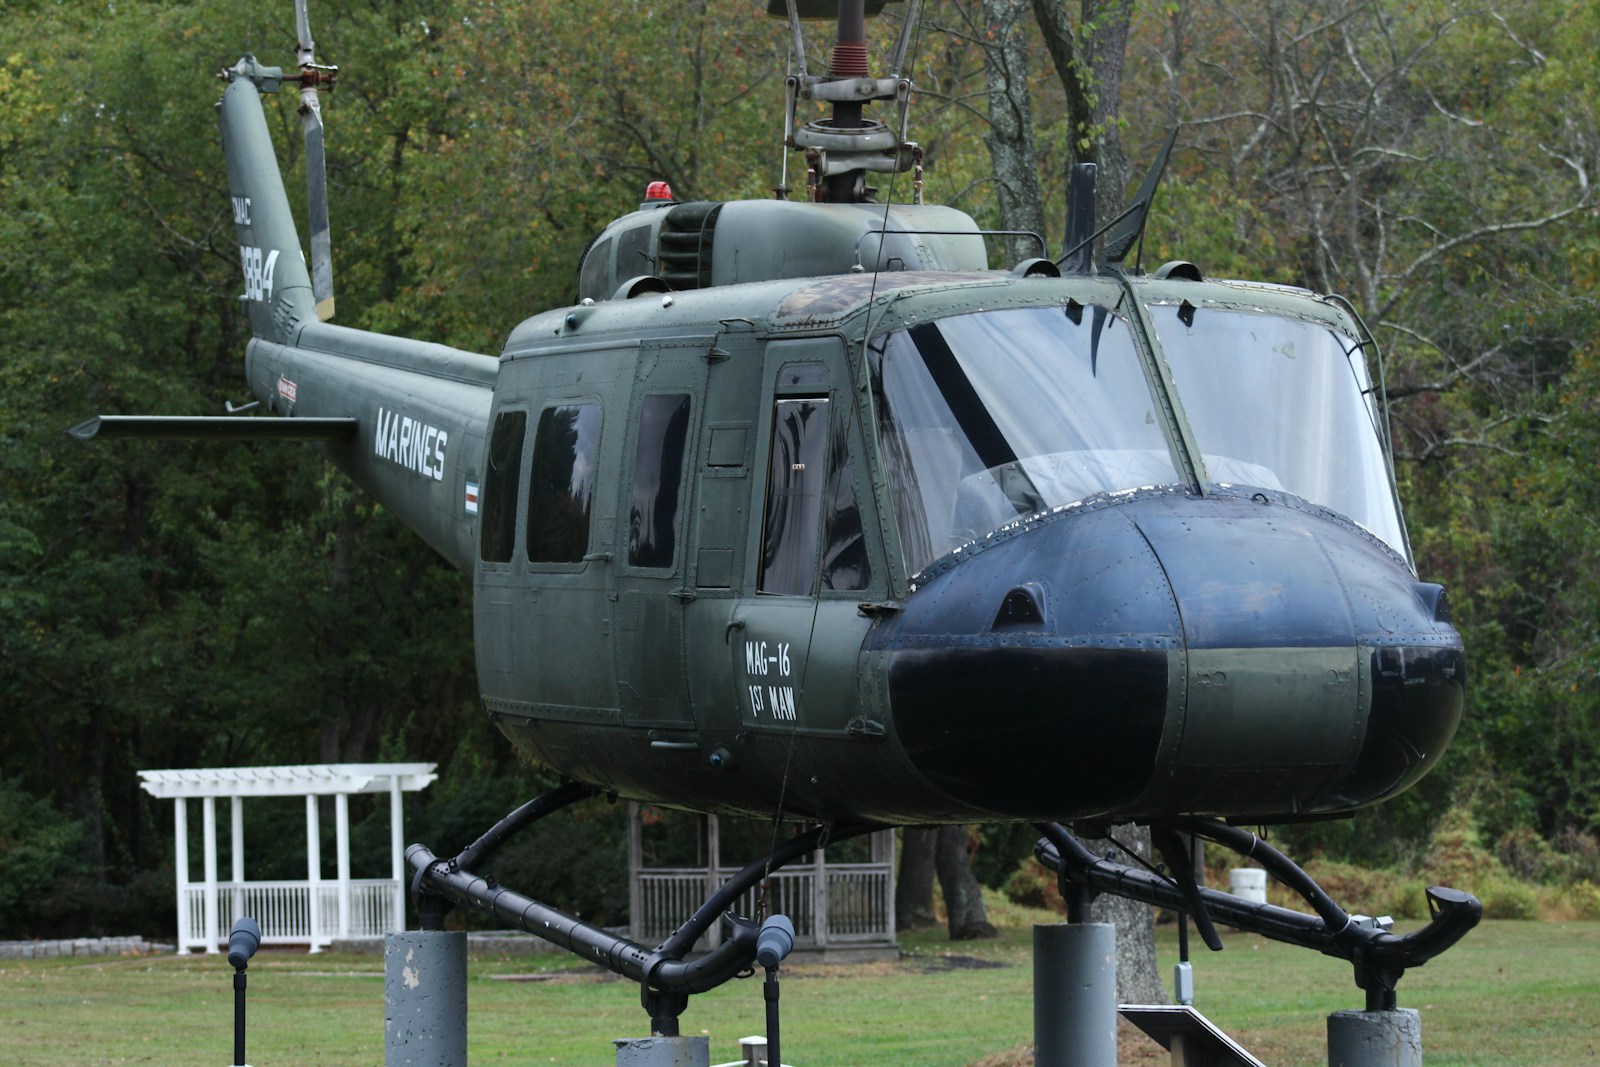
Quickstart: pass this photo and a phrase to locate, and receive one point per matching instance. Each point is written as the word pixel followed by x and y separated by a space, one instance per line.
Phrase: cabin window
pixel 845 565
pixel 566 454
pixel 796 475
pixel 497 523
pixel 657 480
pixel 594 280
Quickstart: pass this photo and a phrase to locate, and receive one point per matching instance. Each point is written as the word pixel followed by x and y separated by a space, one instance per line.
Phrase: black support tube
pixel 525 816
pixel 662 969
pixel 618 954
pixel 684 937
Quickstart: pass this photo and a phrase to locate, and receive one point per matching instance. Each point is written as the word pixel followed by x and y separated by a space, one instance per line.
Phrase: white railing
pixel 856 905
pixel 859 902
pixel 284 911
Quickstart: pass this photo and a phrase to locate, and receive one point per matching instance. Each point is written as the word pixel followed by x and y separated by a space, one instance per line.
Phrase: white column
pixel 635 866
pixel 180 849
pixel 341 831
pixel 713 936
pixel 397 860
pixel 236 823
pixel 819 900
pixel 313 872
pixel 888 858
pixel 208 814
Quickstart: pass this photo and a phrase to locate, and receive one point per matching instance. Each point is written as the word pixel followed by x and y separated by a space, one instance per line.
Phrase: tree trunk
pixel 963 897
pixel 1138 978
pixel 913 889
pixel 1010 136
pixel 1089 63
pixel 1088 60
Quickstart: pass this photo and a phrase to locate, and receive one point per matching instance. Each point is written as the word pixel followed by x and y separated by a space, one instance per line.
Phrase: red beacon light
pixel 657 194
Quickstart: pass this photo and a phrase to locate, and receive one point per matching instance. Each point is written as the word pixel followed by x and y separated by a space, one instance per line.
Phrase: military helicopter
pixel 801 511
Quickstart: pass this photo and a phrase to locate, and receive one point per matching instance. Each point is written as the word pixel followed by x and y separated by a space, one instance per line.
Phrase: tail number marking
pixel 411 443
pixel 258 272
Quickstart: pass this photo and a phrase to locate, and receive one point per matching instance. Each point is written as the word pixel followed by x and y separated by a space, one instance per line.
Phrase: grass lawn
pixel 1512 993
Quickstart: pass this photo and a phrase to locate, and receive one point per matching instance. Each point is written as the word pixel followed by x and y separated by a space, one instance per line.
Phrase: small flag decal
pixel 472 498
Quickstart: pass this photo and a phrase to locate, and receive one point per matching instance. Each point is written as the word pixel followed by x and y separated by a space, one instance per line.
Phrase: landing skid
pixel 1066 957
pixel 666 978
pixel 1380 958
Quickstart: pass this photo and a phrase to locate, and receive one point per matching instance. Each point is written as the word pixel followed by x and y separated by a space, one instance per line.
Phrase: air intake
pixel 683 247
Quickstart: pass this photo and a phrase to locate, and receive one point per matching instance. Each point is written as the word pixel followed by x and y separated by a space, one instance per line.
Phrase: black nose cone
pixel 1165 655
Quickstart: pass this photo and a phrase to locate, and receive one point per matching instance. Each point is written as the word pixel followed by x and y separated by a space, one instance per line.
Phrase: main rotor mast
pixel 842 150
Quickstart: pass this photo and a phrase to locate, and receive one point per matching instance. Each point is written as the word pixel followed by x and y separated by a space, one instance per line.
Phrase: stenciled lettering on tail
pixel 411 443
pixel 258 272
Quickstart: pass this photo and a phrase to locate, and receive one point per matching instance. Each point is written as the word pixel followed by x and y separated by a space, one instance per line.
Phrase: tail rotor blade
pixel 317 192
pixel 316 165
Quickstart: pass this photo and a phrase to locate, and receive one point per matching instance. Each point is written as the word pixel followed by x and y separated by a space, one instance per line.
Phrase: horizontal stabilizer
pixel 215 428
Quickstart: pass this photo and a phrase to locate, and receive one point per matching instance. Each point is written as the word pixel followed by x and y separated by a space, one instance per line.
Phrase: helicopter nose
pixel 1168 654
pixel 1319 674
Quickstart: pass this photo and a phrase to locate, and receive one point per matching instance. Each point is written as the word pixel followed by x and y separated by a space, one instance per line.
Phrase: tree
pixel 913 887
pixel 966 917
pixel 1088 59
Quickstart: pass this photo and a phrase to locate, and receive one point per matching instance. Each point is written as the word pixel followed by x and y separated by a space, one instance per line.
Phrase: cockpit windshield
pixel 992 416
pixel 1282 403
pixel 987 417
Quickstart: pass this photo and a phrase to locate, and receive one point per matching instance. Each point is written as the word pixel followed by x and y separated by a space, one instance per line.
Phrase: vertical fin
pixel 277 288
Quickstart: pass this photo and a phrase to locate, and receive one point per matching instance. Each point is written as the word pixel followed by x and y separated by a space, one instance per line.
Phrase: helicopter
pixel 816 517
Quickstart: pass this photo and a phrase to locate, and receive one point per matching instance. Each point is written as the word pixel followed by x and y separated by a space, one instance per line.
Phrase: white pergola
pixel 314 911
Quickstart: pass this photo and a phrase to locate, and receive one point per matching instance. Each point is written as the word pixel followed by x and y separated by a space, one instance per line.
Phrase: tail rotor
pixel 313 77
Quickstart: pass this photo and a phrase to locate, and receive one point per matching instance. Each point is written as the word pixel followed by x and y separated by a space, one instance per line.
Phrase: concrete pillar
pixel 313 872
pixel 1075 995
pixel 180 851
pixel 1375 1038
pixel 397 854
pixel 208 817
pixel 663 1051
pixel 425 999
pixel 236 855
pixel 341 836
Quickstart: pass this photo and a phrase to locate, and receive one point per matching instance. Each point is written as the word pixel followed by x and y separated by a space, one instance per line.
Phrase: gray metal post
pixel 425 999
pixel 1375 1038
pixel 1075 995
pixel 663 1051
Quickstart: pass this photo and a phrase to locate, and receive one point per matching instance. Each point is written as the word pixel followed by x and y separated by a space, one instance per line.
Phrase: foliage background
pixel 171 604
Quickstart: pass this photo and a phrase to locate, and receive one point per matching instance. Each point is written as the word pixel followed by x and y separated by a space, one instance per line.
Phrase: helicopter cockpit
pixel 989 417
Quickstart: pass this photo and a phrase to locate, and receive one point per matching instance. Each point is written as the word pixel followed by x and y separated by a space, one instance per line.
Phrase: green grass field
pixel 1512 993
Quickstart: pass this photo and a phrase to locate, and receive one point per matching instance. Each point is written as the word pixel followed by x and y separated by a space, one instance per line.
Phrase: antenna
pixel 1128 227
pixel 312 78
